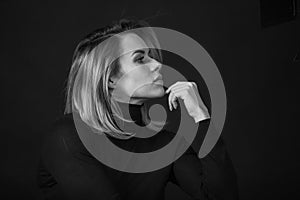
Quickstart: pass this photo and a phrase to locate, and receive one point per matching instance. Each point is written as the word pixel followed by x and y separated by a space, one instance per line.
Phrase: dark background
pixel 257 65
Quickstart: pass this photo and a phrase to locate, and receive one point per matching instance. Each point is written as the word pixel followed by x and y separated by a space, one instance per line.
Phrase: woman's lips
pixel 159 77
pixel 159 81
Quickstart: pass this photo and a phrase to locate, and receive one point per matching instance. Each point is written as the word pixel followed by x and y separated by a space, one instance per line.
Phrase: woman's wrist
pixel 200 115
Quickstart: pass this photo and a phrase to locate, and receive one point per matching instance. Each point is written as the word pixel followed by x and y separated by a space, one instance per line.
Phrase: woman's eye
pixel 140 60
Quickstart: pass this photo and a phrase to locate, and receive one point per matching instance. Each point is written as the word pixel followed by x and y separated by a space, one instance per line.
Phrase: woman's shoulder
pixel 62 125
pixel 62 129
pixel 62 139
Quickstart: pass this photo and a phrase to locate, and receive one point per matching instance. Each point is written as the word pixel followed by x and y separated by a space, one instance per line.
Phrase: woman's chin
pixel 150 92
pixel 157 91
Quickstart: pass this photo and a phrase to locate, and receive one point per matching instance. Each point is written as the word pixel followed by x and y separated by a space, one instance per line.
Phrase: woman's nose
pixel 155 65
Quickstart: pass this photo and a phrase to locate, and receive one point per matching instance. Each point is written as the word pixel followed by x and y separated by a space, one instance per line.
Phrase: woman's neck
pixel 130 101
pixel 132 110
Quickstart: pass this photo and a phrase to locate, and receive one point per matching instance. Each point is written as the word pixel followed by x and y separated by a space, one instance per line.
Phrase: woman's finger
pixel 175 85
pixel 170 97
pixel 176 93
pixel 172 101
pixel 177 89
pixel 181 93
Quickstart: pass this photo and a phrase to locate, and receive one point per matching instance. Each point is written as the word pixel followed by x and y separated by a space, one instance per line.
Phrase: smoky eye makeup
pixel 140 57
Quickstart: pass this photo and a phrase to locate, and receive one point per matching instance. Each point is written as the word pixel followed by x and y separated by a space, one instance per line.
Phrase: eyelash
pixel 141 59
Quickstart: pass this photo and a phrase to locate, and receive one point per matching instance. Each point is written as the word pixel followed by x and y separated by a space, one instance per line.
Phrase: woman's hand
pixel 188 92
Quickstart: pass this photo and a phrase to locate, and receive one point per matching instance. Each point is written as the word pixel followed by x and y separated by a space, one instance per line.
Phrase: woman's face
pixel 140 76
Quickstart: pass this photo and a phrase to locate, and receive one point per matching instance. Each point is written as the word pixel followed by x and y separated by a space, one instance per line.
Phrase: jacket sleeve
pixel 211 177
pixel 77 173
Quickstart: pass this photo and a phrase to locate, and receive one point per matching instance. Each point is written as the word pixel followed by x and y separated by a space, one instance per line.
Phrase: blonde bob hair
pixel 87 90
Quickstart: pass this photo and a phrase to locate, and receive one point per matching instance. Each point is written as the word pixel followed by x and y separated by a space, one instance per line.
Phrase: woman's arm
pixel 77 173
pixel 212 177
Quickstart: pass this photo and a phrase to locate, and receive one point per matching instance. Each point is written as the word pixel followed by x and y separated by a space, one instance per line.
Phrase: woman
pixel 100 88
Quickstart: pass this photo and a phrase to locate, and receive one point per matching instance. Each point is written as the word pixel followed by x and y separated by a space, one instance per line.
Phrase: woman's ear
pixel 112 82
pixel 113 79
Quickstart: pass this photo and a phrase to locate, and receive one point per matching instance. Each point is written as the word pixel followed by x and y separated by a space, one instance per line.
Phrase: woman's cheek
pixel 141 76
pixel 136 79
pixel 132 85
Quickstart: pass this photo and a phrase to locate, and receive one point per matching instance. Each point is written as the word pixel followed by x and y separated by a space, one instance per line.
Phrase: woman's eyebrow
pixel 138 51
